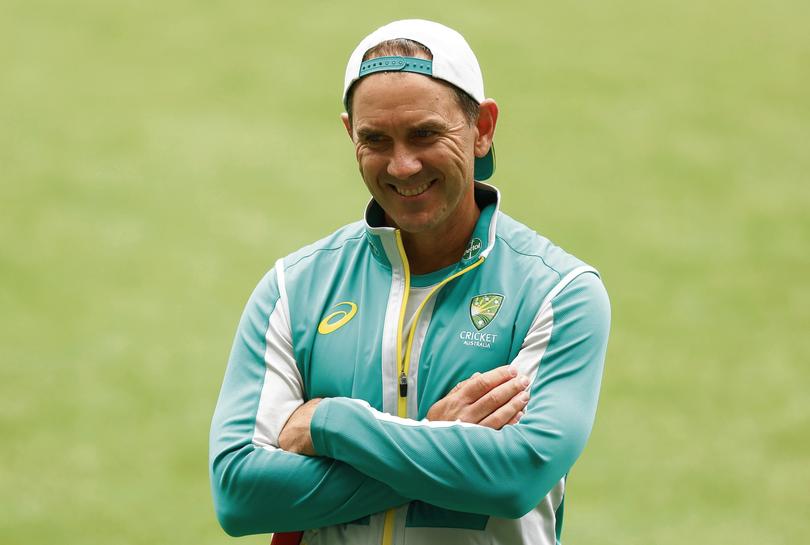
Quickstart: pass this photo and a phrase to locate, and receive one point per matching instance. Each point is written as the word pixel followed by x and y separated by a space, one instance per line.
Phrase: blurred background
pixel 157 157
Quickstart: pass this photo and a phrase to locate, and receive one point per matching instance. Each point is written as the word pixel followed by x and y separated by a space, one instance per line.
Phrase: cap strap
pixel 396 64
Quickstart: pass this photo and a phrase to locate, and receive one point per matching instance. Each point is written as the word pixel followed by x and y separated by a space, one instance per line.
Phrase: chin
pixel 416 227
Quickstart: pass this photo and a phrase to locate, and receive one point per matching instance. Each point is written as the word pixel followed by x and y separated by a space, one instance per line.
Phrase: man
pixel 367 397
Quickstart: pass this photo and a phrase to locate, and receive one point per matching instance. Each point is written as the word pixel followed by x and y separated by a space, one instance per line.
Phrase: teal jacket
pixel 326 322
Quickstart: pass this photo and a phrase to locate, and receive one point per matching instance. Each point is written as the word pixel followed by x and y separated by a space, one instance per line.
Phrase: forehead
pixel 389 93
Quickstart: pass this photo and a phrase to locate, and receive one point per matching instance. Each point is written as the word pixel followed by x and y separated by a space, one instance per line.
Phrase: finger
pixel 510 413
pixel 496 398
pixel 461 384
pixel 477 386
pixel 516 419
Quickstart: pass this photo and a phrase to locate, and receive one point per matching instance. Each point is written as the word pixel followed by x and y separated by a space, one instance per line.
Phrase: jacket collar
pixel 383 239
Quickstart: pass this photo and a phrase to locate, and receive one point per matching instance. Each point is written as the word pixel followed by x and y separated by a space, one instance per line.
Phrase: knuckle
pixel 481 381
pixel 492 399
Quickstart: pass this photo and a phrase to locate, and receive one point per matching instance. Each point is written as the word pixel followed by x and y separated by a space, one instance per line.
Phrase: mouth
pixel 413 191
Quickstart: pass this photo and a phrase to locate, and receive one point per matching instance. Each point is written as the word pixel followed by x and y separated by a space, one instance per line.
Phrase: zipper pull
pixel 403 384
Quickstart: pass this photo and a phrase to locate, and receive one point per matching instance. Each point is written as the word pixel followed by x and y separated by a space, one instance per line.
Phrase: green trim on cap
pixel 396 64
pixel 485 166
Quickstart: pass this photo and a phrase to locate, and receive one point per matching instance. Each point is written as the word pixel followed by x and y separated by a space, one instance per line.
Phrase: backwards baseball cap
pixel 453 61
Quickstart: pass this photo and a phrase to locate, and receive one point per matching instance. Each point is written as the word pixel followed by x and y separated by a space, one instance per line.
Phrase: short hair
pixel 410 48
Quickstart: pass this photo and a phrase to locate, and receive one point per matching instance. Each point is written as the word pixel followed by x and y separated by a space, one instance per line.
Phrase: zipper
pixel 403 384
pixel 388 524
pixel 404 363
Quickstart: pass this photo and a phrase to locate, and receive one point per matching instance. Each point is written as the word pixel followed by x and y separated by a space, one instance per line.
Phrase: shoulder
pixel 329 248
pixel 528 249
pixel 543 272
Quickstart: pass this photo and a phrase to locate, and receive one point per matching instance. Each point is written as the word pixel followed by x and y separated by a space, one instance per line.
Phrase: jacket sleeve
pixel 471 468
pixel 257 487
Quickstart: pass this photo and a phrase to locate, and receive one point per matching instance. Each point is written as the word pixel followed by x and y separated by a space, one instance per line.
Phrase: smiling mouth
pixel 413 191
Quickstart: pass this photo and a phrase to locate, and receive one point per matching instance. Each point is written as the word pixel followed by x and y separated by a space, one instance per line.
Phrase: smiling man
pixel 431 373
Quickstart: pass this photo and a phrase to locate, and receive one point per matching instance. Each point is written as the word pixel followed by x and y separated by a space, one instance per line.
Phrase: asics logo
pixel 338 318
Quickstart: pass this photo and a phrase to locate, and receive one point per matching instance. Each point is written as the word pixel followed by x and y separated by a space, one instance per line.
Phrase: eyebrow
pixel 365 132
pixel 431 125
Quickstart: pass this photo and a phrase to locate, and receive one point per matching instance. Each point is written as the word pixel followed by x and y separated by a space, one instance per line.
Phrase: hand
pixel 295 435
pixel 493 399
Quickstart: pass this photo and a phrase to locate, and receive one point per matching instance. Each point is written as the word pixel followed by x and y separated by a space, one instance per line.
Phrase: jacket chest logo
pixel 484 308
pixel 473 249
pixel 338 318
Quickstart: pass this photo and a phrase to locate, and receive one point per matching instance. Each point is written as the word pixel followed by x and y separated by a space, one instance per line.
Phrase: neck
pixel 437 248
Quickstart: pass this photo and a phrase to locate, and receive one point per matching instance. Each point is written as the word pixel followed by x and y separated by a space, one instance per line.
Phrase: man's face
pixel 415 150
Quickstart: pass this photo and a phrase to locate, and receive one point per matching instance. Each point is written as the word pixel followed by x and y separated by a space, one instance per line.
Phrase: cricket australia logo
pixel 483 309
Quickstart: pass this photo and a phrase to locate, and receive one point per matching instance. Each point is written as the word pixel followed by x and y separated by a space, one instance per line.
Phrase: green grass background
pixel 157 157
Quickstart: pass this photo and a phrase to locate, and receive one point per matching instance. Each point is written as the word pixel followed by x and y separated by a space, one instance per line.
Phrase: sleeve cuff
pixel 317 427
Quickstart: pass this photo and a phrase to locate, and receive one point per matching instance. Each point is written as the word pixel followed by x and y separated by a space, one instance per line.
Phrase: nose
pixel 403 162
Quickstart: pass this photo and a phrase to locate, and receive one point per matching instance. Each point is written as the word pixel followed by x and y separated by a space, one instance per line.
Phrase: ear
pixel 346 123
pixel 487 119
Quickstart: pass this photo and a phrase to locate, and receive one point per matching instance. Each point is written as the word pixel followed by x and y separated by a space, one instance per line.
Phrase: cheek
pixel 369 165
pixel 457 151
pixel 370 162
pixel 364 162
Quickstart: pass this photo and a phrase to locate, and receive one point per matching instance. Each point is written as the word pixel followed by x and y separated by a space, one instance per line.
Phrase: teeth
pixel 413 192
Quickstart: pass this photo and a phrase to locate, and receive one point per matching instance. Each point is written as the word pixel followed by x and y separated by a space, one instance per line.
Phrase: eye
pixel 423 133
pixel 371 139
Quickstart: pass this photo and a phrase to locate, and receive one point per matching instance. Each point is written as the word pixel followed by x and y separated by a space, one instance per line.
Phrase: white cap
pixel 453 61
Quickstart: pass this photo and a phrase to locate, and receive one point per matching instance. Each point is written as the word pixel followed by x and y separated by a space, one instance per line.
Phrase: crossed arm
pixel 260 484
pixel 493 399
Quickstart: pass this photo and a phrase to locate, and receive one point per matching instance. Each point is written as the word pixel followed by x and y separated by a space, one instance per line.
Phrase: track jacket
pixel 327 321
